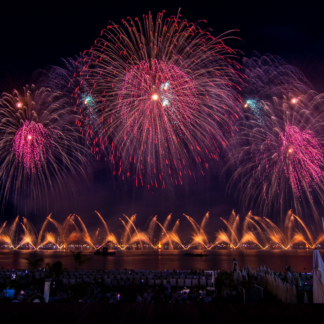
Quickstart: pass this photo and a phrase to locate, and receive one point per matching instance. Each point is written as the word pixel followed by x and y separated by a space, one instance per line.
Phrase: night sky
pixel 35 35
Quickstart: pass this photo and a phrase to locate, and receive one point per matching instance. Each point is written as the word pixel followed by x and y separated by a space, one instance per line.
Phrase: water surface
pixel 164 259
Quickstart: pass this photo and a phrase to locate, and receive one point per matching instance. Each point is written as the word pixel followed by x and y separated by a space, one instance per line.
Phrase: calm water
pixel 160 260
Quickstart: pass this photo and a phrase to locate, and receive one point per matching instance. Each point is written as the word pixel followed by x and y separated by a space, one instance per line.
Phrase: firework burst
pixel 266 77
pixel 270 76
pixel 39 148
pixel 279 164
pixel 65 79
pixel 165 98
pixel 31 143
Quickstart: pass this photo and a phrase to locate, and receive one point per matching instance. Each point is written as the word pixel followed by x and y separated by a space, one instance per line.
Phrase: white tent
pixel 318 277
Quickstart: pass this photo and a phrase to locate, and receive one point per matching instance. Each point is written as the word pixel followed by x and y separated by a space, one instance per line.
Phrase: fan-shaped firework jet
pixel 200 236
pixel 39 148
pixel 236 236
pixel 165 95
pixel 280 163
pixel 258 231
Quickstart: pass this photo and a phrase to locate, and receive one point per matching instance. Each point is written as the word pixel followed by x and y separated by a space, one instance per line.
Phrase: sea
pixel 277 260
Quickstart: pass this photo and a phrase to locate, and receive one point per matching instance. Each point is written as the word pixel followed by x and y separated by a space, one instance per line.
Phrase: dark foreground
pixel 160 313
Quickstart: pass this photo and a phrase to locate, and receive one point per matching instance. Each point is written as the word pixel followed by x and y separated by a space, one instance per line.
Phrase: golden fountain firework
pixel 252 230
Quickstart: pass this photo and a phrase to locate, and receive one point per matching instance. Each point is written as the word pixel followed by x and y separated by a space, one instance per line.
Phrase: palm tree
pixel 35 263
pixel 79 259
pixel 56 268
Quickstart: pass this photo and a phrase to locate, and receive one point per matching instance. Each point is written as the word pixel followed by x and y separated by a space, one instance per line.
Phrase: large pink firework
pixel 31 144
pixel 278 164
pixel 165 96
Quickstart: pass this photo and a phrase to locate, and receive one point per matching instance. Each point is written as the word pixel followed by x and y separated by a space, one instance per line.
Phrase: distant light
pixel 29 137
pixel 290 150
pixel 19 104
pixel 246 105
pixel 155 96
pixel 293 100
pixel 85 102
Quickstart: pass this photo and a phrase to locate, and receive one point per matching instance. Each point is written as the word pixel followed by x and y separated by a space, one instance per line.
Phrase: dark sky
pixel 37 34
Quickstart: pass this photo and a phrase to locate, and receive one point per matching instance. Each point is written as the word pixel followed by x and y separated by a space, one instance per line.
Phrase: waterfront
pixel 165 259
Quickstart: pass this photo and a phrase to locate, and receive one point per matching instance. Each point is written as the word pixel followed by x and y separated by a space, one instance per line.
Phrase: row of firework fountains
pixel 162 102
pixel 260 232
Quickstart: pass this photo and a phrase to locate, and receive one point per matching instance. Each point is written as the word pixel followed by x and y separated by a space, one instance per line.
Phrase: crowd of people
pixel 29 286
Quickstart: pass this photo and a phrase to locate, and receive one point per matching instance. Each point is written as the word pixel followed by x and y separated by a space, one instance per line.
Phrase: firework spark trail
pixel 31 230
pixel 131 221
pixel 128 227
pixel 175 238
pixel 85 234
pixel 64 227
pixel 60 230
pixel 75 234
pixel 49 238
pixel 276 235
pixel 31 144
pixel 127 232
pixel 200 235
pixel 166 235
pixel 141 237
pixel 95 237
pixel 3 226
pixel 165 96
pixel 111 237
pixel 165 238
pixel 28 236
pixel 167 222
pixel 40 235
pixel 249 221
pixel 265 77
pixel 176 226
pixel 105 224
pixel 12 231
pixel 151 228
pixel 194 224
pixel 232 234
pixel 306 157
pixel 305 228
pixel 249 237
pixel 279 165
pixel 251 232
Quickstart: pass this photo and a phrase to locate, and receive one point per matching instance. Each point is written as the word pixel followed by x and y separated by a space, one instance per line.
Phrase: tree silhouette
pixel 35 263
pixel 79 259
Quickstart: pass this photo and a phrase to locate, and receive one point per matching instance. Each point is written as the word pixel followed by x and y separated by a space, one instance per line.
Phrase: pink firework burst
pixel 304 158
pixel 31 144
pixel 157 94
pixel 165 97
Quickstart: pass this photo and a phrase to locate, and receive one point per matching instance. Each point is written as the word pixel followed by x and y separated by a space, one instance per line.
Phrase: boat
pixel 195 255
pixel 105 252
